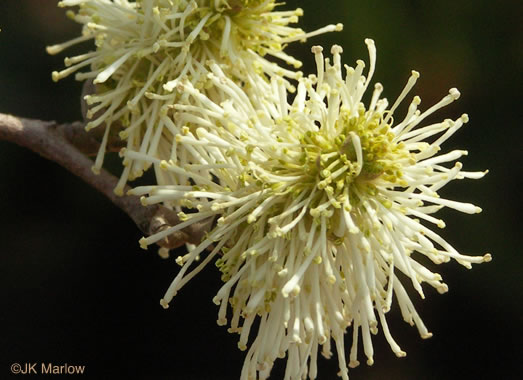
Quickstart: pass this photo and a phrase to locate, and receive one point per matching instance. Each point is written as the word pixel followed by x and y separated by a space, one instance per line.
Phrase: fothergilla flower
pixel 144 48
pixel 319 205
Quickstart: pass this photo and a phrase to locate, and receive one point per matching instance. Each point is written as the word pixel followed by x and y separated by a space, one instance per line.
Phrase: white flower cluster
pixel 319 201
pixel 318 208
pixel 145 48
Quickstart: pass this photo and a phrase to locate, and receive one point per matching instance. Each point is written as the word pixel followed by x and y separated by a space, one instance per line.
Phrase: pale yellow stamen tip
pixel 118 191
pixel 454 93
pixel 143 243
pixel 317 49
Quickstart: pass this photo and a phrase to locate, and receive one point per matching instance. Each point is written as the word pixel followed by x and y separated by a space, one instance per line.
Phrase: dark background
pixel 75 287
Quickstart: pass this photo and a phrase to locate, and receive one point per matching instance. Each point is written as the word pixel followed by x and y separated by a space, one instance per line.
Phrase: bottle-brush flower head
pixel 144 48
pixel 319 205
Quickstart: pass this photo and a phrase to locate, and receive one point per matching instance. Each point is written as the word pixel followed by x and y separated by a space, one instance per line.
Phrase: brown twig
pixel 67 144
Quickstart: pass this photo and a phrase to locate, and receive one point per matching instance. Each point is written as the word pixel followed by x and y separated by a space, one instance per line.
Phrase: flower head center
pixel 362 151
pixel 380 153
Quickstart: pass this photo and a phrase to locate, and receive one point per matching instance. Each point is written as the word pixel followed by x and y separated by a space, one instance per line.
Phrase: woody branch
pixel 68 145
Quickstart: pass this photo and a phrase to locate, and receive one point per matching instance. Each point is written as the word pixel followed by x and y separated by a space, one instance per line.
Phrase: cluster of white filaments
pixel 319 205
pixel 144 48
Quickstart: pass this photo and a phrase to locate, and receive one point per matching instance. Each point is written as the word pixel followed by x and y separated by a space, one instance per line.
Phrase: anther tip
pixel 52 50
pixel 242 346
pixel 442 289
pixel 143 243
pixel 336 49
pixel 454 93
pixel 56 76
pixel 118 191
pixel 164 164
